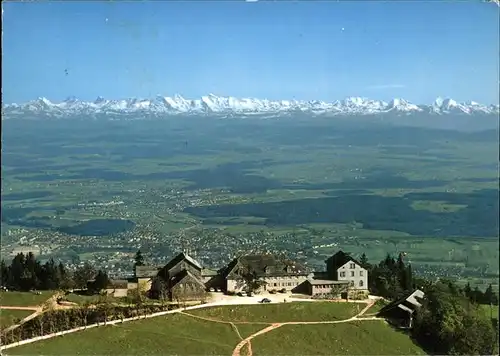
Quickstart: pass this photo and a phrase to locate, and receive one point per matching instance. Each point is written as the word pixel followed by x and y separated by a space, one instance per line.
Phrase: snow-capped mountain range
pixel 213 105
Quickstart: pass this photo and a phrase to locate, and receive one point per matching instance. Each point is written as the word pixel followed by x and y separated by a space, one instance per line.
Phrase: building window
pixel 353 266
pixel 352 273
pixel 352 283
pixel 342 274
pixel 361 283
pixel 361 273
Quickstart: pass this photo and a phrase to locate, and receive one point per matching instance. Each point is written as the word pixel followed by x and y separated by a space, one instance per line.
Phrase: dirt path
pixel 247 340
pixel 233 325
pixel 368 306
pixel 37 310
pixel 20 308
pixel 225 321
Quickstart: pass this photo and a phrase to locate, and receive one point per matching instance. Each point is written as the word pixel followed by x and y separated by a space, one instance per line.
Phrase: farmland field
pixel 96 191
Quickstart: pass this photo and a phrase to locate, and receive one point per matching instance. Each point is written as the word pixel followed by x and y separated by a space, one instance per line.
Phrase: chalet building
pixel 342 267
pixel 324 287
pixel 401 312
pixel 268 271
pixel 117 288
pixel 143 277
pixel 180 279
pixel 208 275
pixel 344 277
pixel 184 278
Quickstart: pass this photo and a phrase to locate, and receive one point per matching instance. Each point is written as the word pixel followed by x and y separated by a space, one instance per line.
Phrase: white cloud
pixel 385 86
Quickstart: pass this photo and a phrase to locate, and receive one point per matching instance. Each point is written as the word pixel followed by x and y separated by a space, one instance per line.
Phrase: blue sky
pixel 276 50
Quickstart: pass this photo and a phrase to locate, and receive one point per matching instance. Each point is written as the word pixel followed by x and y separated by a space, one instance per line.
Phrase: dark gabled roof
pixel 180 257
pixel 117 284
pixel 226 270
pixel 182 275
pixel 146 271
pixel 266 265
pixel 341 258
pixel 407 303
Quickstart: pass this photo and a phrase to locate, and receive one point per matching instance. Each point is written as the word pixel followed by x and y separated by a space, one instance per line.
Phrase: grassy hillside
pixel 9 317
pixel 376 307
pixel 24 299
pixel 354 338
pixel 174 335
pixel 178 334
pixel 283 312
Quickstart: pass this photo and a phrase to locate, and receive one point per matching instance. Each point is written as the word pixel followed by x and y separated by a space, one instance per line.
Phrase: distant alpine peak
pixel 226 105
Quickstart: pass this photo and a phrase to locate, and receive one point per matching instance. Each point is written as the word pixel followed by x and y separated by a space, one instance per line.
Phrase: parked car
pixel 283 290
pixel 265 300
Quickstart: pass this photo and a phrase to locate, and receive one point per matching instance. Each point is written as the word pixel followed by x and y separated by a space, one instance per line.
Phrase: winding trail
pixel 233 325
pixel 247 340
pixel 34 308
pixel 225 321
pixel 37 310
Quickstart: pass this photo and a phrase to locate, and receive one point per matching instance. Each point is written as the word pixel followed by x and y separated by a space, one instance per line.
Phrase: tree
pixel 137 300
pixel 337 290
pixel 139 259
pixel 388 262
pixel 468 291
pixel 40 324
pixel 66 280
pixel 104 305
pixel 4 273
pixel 364 261
pixel 489 296
pixel 445 325
pixel 476 337
pixel 251 279
pixel 85 310
pixel 406 279
pixel 100 282
pixel 477 295
pixel 16 272
pixel 400 264
pixel 83 274
pixel 51 278
pixel 31 267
